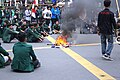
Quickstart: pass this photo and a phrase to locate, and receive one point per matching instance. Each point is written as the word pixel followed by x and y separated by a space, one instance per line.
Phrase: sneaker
pixel 105 56
pixel 38 65
pixel 109 58
pixel 8 63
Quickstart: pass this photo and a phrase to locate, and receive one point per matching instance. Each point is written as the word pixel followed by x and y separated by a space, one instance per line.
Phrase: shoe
pixel 38 65
pixel 105 56
pixel 8 63
pixel 109 58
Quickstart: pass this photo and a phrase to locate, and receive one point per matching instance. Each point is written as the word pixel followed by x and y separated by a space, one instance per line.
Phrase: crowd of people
pixel 45 22
pixel 29 28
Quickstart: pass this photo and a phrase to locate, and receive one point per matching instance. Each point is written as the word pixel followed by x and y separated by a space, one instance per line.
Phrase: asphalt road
pixel 60 63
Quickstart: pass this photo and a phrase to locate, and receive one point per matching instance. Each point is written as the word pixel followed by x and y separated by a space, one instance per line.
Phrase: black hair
pixel 8 25
pixel 54 4
pixel 48 7
pixel 107 3
pixel 31 24
pixel 7 22
pixel 22 36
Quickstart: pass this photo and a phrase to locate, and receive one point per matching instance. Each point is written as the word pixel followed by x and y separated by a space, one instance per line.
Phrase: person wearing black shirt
pixel 106 26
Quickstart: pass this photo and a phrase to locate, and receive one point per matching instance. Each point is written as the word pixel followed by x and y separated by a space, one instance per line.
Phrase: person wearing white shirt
pixel 47 14
pixel 28 14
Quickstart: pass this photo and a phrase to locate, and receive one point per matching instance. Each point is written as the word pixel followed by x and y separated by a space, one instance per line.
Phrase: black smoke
pixel 77 11
pixel 74 16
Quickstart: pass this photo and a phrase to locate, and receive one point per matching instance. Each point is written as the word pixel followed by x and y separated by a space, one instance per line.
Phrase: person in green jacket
pixel 1 28
pixel 0 13
pixel 56 28
pixel 21 28
pixel 33 35
pixel 40 30
pixel 24 59
pixel 4 57
pixel 45 27
pixel 3 24
pixel 9 34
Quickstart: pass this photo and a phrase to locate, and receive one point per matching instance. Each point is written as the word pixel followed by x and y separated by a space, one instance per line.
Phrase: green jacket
pixel 12 13
pixel 56 27
pixel 0 13
pixel 5 53
pixel 8 33
pixel 22 57
pixel 32 34
pixel 40 12
pixel 0 32
pixel 40 29
pixel 19 29
pixel 3 19
pixel 45 26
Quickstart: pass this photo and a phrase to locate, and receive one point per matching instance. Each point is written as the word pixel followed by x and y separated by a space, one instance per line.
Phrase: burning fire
pixel 61 40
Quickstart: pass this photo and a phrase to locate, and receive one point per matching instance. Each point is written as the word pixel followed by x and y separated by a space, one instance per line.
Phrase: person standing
pixel 6 13
pixel 106 29
pixel 47 14
pixel 17 15
pixel 28 15
pixel 0 23
pixel 40 17
pixel 23 2
pixel 55 14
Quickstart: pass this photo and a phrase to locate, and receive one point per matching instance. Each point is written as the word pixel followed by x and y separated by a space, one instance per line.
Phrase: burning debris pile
pixel 62 39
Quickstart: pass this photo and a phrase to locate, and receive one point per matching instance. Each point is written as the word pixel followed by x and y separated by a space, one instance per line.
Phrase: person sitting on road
pixel 9 34
pixel 56 28
pixel 4 57
pixel 21 28
pixel 24 59
pixel 33 35
pixel 40 30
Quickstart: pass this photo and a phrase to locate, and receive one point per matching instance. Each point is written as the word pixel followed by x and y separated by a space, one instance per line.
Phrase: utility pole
pixel 10 2
pixel 118 8
pixel 26 2
pixel 15 3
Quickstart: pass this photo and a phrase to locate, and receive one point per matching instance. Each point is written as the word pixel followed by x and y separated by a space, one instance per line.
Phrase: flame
pixel 61 40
